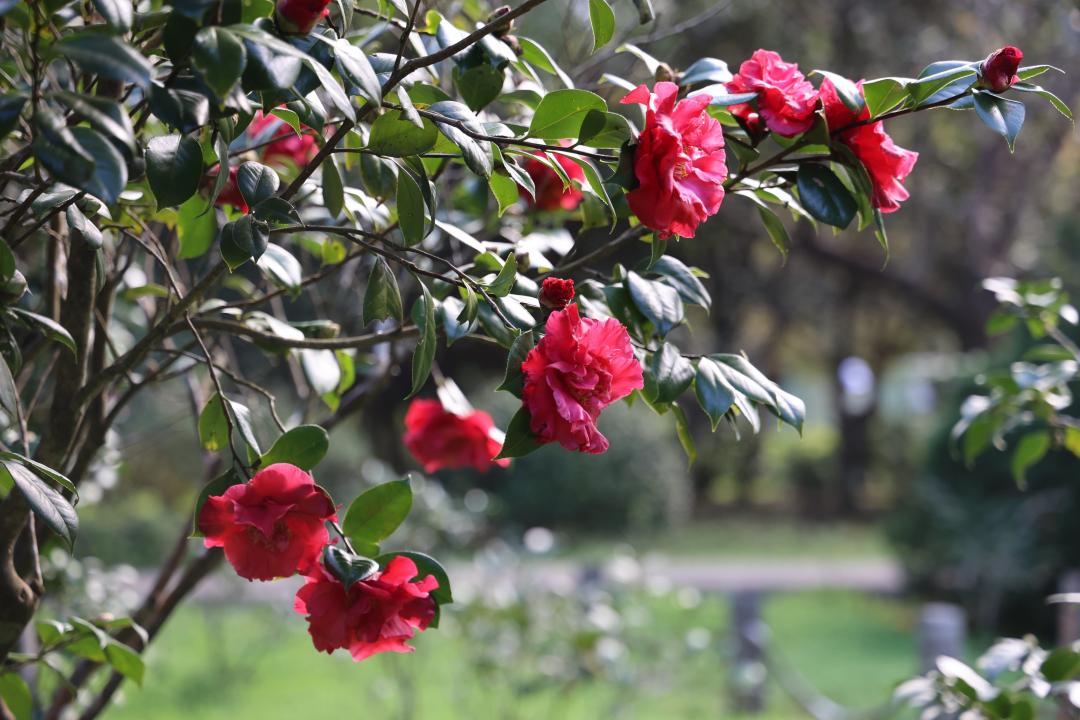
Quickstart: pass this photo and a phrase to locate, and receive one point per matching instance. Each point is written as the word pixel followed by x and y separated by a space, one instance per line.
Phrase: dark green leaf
pixel 174 168
pixel 714 393
pixel 48 504
pixel 11 106
pixel 378 512
pixel 425 565
pixel 824 195
pixel 1062 664
pixel 356 68
pixel 82 228
pixel 16 695
pixel 110 173
pixel 51 329
pixel 348 568
pixel 220 58
pixel 215 487
pixel 658 302
pixel 520 440
pixel 847 91
pixel 382 298
pixel 1005 117
pixel 673 373
pixel 514 380
pixel 476 153
pixel 1031 448
pixel 675 273
pixel 424 355
pixel 1050 97
pixel 333 189
pixel 106 55
pixel 706 70
pixel 117 13
pixel 410 208
pixel 257 182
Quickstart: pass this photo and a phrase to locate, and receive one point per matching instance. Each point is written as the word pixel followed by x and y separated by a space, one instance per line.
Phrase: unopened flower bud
pixel 998 70
pixel 556 293
pixel 299 17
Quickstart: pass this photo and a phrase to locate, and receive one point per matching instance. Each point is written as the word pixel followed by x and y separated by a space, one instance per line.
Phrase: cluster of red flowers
pixel 274 526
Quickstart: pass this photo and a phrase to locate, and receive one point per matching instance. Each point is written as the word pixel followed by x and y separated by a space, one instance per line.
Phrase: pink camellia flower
pixel 375 615
pixel 998 70
pixel 679 163
pixel 287 145
pixel 550 193
pixel 271 526
pixel 579 367
pixel 556 293
pixel 886 164
pixel 438 438
pixel 300 16
pixel 785 101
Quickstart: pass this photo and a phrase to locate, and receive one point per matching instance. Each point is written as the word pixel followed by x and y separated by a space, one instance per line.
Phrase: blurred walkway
pixel 723 575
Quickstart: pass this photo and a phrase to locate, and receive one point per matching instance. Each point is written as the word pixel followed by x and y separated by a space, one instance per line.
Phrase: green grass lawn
pixel 231 662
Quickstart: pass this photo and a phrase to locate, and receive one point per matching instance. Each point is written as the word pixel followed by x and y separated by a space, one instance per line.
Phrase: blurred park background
pixel 603 586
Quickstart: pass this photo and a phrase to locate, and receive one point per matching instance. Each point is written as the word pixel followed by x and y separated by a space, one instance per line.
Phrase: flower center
pixel 682 169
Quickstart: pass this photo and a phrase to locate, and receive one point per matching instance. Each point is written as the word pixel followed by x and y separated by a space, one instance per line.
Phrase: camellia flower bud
pixel 998 70
pixel 300 16
pixel 556 293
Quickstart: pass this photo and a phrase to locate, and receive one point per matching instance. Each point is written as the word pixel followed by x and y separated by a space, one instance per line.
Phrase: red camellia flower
pixel 550 194
pixel 230 194
pixel 679 162
pixel 785 101
pixel 438 438
pixel 373 616
pixel 886 164
pixel 998 70
pixel 300 16
pixel 579 367
pixel 272 526
pixel 556 293
pixel 287 145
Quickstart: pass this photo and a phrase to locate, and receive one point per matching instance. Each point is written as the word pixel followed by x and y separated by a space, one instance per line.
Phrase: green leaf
pixel 673 373
pixel 1062 664
pixel 658 302
pixel 394 136
pixel 82 228
pixel 49 327
pixel 504 281
pixel 243 239
pixel 476 153
pixel 504 189
pixel 220 58
pixel 425 565
pixel 303 446
pixel 382 298
pixel 535 54
pixel 117 13
pixel 480 84
pixel 378 512
pixel 751 382
pixel 106 55
pixel 348 568
pixel 675 273
pixel 125 661
pixel 824 195
pixel 9 394
pixel 707 70
pixel 514 380
pixel 355 67
pixel 105 116
pixel 777 232
pixel 16 695
pixel 1030 450
pixel 256 182
pixel 1005 117
pixel 43 471
pixel 714 393
pixel 1050 97
pixel 603 23
pixel 109 174
pixel 214 429
pixel 57 150
pixel 174 168
pixel 424 355
pixel 410 208
pixel 930 84
pixel 847 91
pixel 215 487
pixel 333 189
pixel 519 440
pixel 682 430
pixel 48 504
pixel 561 113
pixel 884 94
pixel 11 107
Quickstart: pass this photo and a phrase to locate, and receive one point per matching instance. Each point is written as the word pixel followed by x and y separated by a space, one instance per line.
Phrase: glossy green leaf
pixel 519 440
pixel 48 504
pixel 658 302
pixel 824 195
pixel 378 512
pixel 672 371
pixel 514 379
pixel 49 327
pixel 561 113
pixel 1003 116
pixel 303 446
pixel 174 168
pixel 714 393
pixel 395 136
pixel 256 182
pixel 220 58
pixel 602 18
pixel 106 55
pixel 348 568
pixel 424 355
pixel 382 298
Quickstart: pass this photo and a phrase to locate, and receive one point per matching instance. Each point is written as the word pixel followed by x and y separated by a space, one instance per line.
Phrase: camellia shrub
pixel 345 191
